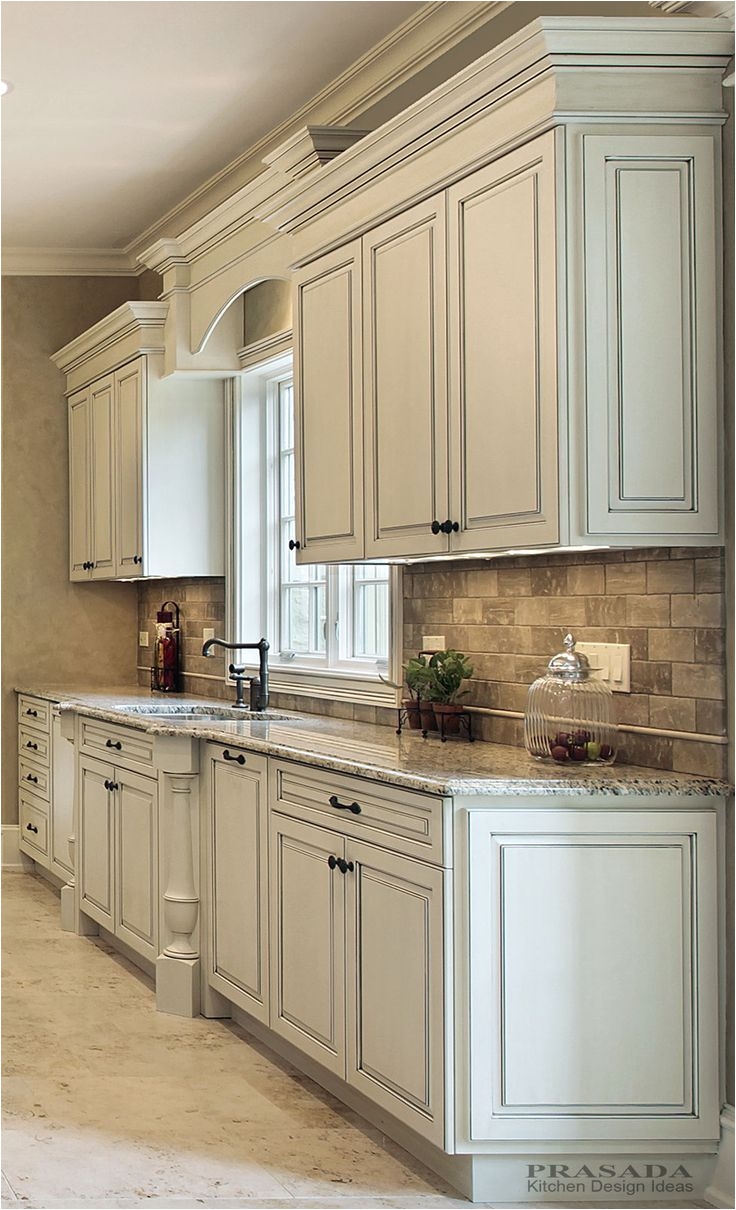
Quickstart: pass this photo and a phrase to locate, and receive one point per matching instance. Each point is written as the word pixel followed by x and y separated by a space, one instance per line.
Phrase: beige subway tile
pixel 701 609
pixel 600 556
pixel 514 582
pixel 509 731
pixel 503 638
pixel 651 751
pixel 428 610
pixel 670 644
pixel 676 575
pixel 440 583
pixel 709 575
pixel 635 637
pixel 631 708
pixel 605 611
pixel 626 578
pixel 546 640
pixel 694 756
pixel 587 581
pixel 549 581
pixel 648 611
pixel 467 609
pixel 646 554
pixel 699 680
pixel 711 717
pixel 672 713
pixel 710 646
pixel 483 582
pixel 363 713
pixel 648 676
pixel 500 612
pixel 205 590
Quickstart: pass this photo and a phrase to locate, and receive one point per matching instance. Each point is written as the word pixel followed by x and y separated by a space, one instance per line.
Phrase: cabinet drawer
pixel 35 745
pixel 34 712
pixel 33 826
pixel 395 818
pixel 34 777
pixel 119 744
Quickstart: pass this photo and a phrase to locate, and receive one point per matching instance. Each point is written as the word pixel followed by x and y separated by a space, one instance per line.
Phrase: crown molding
pixel 696 8
pixel 266 349
pixel 310 148
pixel 133 328
pixel 68 262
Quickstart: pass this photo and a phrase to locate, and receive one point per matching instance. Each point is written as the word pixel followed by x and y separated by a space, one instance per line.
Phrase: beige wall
pixel 52 631
pixel 266 310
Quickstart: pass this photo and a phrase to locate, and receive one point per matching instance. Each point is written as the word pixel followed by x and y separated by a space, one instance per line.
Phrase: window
pixel 333 630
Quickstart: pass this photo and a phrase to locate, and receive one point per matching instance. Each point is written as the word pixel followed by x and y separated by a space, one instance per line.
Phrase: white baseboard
pixel 721 1192
pixel 11 856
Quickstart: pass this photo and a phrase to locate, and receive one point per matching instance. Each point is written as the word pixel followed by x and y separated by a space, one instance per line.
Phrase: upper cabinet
pixel 146 455
pixel 509 305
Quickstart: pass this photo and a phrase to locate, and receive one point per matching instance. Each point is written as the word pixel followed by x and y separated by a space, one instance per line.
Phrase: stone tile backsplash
pixel 510 616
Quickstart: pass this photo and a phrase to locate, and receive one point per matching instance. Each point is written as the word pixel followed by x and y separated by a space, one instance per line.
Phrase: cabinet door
pixel 238 851
pixel 308 940
pixel 102 435
pixel 405 354
pixel 651 349
pixel 129 468
pixel 329 409
pixel 62 801
pixel 503 357
pixel 136 861
pixel 80 487
pixel 395 980
pixel 593 1007
pixel 96 841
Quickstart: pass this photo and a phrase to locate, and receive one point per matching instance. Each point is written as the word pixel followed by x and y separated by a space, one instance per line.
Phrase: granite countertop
pixel 453 768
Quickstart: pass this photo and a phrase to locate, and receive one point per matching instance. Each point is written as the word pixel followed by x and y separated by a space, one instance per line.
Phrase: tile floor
pixel 109 1103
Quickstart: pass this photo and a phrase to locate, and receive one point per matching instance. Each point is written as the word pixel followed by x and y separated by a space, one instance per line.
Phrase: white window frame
pixel 248 510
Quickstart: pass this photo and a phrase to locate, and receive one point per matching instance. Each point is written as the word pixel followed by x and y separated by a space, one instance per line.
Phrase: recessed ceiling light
pixel 5 87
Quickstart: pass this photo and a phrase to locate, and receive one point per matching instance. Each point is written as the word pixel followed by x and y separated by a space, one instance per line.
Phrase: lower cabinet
pixel 236 853
pixel 592 975
pixel 118 875
pixel 357 966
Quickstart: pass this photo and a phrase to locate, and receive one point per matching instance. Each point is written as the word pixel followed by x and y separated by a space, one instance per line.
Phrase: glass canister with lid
pixel 569 714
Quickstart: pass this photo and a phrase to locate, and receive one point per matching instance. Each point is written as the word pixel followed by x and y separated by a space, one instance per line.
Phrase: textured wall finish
pixel 53 631
pixel 266 310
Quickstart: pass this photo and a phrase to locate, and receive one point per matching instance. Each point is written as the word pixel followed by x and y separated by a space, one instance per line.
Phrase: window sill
pixel 334 686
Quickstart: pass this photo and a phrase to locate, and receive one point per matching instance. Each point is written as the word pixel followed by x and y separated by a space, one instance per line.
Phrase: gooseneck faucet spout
pixel 259 687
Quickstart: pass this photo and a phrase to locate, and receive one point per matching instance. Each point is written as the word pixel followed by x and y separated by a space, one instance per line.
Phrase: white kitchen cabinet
pixel 118 874
pixel 329 410
pixel 34 777
pixel 237 861
pixel 355 930
pixel 62 801
pixel 146 455
pixel 591 963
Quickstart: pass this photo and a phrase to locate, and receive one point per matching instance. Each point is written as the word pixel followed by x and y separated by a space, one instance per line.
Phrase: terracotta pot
pixel 426 713
pixel 411 707
pixel 448 722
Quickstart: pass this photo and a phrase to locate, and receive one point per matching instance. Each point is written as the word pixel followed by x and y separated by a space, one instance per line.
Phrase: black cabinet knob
pixel 31 777
pixel 293 545
pixel 331 861
pixel 33 713
pixel 449 527
pixel 353 807
pixel 137 558
pixel 31 827
pixel 436 527
pixel 229 756
pixel 30 744
pixel 113 743
pixel 344 865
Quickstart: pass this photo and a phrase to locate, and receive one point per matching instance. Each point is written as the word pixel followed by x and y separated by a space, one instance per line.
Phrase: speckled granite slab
pixel 452 768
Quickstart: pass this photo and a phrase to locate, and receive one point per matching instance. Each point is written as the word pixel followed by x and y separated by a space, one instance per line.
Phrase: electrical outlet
pixel 611 663
pixel 433 642
pixel 207 633
pixel 142 638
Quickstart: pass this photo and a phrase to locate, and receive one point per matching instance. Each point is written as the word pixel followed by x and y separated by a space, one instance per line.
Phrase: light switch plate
pixel 207 633
pixel 142 638
pixel 611 663
pixel 433 642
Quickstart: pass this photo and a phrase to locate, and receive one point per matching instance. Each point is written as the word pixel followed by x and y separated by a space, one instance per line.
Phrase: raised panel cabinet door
pixel 80 487
pixel 96 841
pixel 61 801
pixel 395 982
pixel 405 396
pixel 308 939
pixel 238 855
pixel 136 861
pixel 329 409
pixel 503 356
pixel 593 1008
pixel 129 468
pixel 651 288
pixel 102 438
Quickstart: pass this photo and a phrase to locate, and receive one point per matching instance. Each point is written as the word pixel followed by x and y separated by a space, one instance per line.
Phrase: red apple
pixel 559 752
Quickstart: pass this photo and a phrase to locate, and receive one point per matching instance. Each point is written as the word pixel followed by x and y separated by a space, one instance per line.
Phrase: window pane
pixel 370 625
pixel 296 611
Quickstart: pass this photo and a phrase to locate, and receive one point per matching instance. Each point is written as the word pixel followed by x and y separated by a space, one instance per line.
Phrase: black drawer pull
pixel 30 744
pixel 229 756
pixel 332 861
pixel 344 865
pixel 436 527
pixel 33 713
pixel 31 777
pixel 113 743
pixel 294 545
pixel 354 807
pixel 30 827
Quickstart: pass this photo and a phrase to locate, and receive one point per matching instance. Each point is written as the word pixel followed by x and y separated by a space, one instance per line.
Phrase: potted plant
pixel 418 711
pixel 447 671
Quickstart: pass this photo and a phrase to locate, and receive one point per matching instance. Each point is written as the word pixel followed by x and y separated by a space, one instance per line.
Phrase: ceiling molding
pixel 696 8
pixel 68 262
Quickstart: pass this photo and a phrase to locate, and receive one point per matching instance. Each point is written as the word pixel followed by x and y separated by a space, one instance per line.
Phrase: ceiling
pixel 119 110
